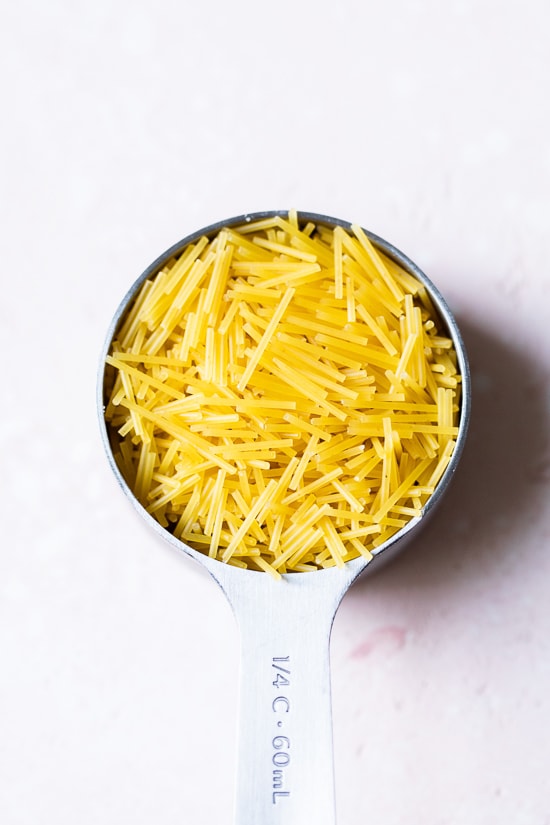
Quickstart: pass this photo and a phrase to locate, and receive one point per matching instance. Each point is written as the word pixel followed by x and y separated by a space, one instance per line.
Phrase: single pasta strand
pixel 266 337
pixel 338 271
pixel 377 261
pixel 247 522
pixel 284 249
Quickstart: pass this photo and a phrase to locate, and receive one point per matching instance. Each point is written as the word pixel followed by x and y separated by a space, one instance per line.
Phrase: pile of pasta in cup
pixel 282 397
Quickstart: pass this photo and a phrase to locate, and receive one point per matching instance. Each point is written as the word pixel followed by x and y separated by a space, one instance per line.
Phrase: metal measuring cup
pixel 285 761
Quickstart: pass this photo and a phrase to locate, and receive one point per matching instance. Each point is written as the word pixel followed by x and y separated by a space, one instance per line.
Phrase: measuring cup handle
pixel 285 763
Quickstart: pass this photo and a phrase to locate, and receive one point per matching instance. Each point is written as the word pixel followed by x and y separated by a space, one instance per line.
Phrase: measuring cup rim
pixel 443 311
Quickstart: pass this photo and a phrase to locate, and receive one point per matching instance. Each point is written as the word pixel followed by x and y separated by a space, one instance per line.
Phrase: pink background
pixel 127 125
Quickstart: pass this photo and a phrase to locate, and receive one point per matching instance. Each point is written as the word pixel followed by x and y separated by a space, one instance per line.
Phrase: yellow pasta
pixel 283 397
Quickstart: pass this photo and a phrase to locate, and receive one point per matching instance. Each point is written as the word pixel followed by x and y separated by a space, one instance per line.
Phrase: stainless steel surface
pixel 285 774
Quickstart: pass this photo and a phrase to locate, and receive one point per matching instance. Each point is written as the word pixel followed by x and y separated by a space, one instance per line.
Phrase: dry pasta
pixel 283 398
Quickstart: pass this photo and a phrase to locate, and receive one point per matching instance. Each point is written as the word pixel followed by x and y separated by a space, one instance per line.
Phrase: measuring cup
pixel 285 762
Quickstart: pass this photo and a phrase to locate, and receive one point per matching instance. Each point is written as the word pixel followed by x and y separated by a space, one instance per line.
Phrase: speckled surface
pixel 128 125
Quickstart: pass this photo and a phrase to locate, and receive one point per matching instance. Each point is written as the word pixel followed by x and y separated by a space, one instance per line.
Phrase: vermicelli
pixel 283 397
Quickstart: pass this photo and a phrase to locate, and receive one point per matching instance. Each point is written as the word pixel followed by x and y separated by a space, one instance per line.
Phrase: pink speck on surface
pixel 387 640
